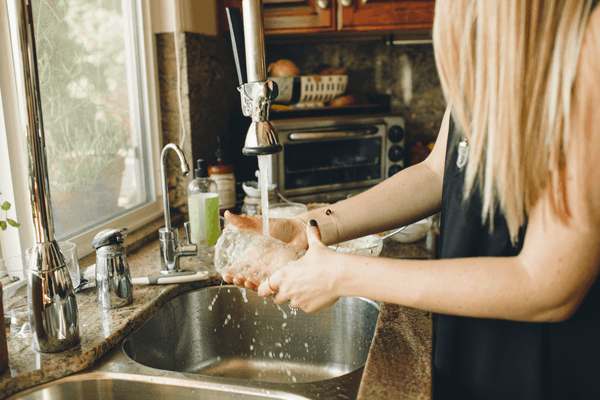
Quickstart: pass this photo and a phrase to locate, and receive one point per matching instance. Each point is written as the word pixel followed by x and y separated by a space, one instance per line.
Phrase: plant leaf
pixel 14 223
pixel 5 206
pixel 3 225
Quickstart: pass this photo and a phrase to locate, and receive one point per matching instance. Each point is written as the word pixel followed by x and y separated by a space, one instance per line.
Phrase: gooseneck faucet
pixel 256 91
pixel 170 248
pixel 50 296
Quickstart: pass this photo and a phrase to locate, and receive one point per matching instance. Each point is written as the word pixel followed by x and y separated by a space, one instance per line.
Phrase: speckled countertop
pixel 398 365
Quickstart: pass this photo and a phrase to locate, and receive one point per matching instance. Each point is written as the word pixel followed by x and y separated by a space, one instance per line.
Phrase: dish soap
pixel 224 176
pixel 203 206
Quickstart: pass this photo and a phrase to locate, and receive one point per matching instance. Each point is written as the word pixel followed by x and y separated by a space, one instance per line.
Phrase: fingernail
pixel 312 222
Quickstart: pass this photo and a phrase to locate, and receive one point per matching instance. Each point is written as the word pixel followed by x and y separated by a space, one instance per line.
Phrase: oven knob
pixel 396 153
pixel 394 169
pixel 396 133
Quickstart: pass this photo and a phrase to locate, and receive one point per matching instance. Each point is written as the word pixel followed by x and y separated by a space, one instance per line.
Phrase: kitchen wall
pixel 406 72
pixel 212 106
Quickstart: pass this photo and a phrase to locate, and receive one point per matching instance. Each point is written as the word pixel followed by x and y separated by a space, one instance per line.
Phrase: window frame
pixel 13 166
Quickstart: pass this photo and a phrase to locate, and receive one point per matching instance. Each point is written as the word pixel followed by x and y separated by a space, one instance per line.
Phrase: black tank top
pixel 477 358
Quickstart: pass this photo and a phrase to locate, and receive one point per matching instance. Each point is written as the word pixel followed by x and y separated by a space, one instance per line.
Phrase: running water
pixel 263 181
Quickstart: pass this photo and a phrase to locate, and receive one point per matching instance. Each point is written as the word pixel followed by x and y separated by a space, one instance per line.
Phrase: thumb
pixel 239 221
pixel 313 235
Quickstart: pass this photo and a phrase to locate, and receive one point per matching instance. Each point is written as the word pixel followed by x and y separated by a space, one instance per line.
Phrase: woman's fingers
pixel 241 222
pixel 313 234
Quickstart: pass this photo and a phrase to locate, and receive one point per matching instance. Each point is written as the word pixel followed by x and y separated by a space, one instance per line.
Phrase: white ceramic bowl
pixel 286 210
pixel 414 232
pixel 366 246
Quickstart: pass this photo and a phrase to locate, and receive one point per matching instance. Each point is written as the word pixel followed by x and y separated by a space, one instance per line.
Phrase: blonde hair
pixel 508 68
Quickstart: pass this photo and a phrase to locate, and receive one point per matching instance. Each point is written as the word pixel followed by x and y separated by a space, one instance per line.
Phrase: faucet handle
pixel 109 236
pixel 188 233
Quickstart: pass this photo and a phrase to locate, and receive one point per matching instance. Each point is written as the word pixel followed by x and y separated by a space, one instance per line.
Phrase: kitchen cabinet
pixel 377 15
pixel 283 17
pixel 290 16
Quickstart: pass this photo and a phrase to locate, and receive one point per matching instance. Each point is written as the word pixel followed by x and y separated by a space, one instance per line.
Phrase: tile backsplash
pixel 211 102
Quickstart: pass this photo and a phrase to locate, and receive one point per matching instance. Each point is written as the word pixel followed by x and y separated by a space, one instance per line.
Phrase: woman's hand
pixel 288 230
pixel 312 282
pixel 257 265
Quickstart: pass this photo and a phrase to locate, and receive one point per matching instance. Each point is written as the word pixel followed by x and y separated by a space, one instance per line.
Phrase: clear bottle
pixel 203 206
pixel 224 176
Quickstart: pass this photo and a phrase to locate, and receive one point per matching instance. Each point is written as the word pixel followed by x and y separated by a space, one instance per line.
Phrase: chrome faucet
pixel 50 296
pixel 248 40
pixel 170 248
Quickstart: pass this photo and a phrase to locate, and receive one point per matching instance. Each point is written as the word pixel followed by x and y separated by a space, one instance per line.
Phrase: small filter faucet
pixel 113 278
pixel 248 41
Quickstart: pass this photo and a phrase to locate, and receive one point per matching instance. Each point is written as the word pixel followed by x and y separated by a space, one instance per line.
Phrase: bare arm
pixel 408 196
pixel 547 281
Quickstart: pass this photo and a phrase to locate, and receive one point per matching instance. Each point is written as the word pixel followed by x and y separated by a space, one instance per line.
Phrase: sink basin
pixel 96 386
pixel 233 333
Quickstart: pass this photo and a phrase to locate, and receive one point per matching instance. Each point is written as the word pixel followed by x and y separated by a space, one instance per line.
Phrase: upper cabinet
pixel 378 15
pixel 290 16
pixel 322 16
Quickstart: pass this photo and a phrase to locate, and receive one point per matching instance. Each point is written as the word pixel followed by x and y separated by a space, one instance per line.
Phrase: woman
pixel 517 307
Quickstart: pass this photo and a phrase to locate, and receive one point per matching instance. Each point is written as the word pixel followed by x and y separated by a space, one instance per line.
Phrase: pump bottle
pixel 203 206
pixel 222 173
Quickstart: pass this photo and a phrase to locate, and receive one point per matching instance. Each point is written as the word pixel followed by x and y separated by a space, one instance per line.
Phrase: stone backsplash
pixel 211 103
pixel 405 72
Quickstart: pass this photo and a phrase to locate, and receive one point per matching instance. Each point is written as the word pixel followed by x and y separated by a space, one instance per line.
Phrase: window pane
pixel 88 80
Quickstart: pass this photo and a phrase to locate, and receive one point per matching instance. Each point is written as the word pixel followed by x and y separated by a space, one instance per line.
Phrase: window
pixel 97 84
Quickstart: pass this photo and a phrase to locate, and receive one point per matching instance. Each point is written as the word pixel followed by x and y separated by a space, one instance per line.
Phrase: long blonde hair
pixel 508 68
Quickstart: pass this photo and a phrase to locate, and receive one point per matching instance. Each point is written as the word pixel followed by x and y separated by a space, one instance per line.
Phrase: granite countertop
pixel 398 365
pixel 399 362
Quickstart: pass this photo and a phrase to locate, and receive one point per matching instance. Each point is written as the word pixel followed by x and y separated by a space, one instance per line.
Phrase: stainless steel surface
pixel 170 248
pixel 320 135
pixel 113 278
pixel 254 40
pixel 120 386
pixel 257 93
pixel 51 299
pixel 233 333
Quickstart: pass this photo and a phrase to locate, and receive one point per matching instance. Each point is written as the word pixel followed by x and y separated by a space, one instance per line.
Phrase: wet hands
pixel 245 257
pixel 311 283
pixel 288 230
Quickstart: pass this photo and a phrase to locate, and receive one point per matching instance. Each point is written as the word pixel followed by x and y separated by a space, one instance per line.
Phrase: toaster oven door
pixel 331 160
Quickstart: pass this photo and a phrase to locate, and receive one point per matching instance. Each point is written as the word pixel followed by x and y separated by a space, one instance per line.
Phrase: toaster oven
pixel 325 159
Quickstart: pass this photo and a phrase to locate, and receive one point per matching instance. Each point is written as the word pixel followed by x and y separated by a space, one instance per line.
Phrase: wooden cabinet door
pixel 377 15
pixel 290 16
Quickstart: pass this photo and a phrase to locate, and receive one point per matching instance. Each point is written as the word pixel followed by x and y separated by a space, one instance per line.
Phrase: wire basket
pixel 309 90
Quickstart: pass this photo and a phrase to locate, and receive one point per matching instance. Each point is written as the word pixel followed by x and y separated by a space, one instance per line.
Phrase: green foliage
pixel 3 224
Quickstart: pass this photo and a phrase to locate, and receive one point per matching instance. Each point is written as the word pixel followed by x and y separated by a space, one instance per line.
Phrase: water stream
pixel 263 181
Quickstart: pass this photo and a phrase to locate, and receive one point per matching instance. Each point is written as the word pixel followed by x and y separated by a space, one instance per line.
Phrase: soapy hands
pixel 312 282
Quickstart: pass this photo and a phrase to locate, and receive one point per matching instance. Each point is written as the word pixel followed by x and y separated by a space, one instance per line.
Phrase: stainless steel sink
pixel 234 334
pixel 100 386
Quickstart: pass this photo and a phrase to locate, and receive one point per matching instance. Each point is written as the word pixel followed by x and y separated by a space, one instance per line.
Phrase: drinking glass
pixel 69 252
pixel 14 275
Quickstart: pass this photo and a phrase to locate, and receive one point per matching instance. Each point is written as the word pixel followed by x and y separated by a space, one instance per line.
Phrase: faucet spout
pixel 165 185
pixel 170 248
pixel 51 302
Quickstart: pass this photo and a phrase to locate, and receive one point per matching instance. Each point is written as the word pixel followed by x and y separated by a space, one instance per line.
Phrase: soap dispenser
pixel 113 278
pixel 203 208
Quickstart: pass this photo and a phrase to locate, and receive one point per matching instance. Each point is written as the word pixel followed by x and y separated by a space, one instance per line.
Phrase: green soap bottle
pixel 203 208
